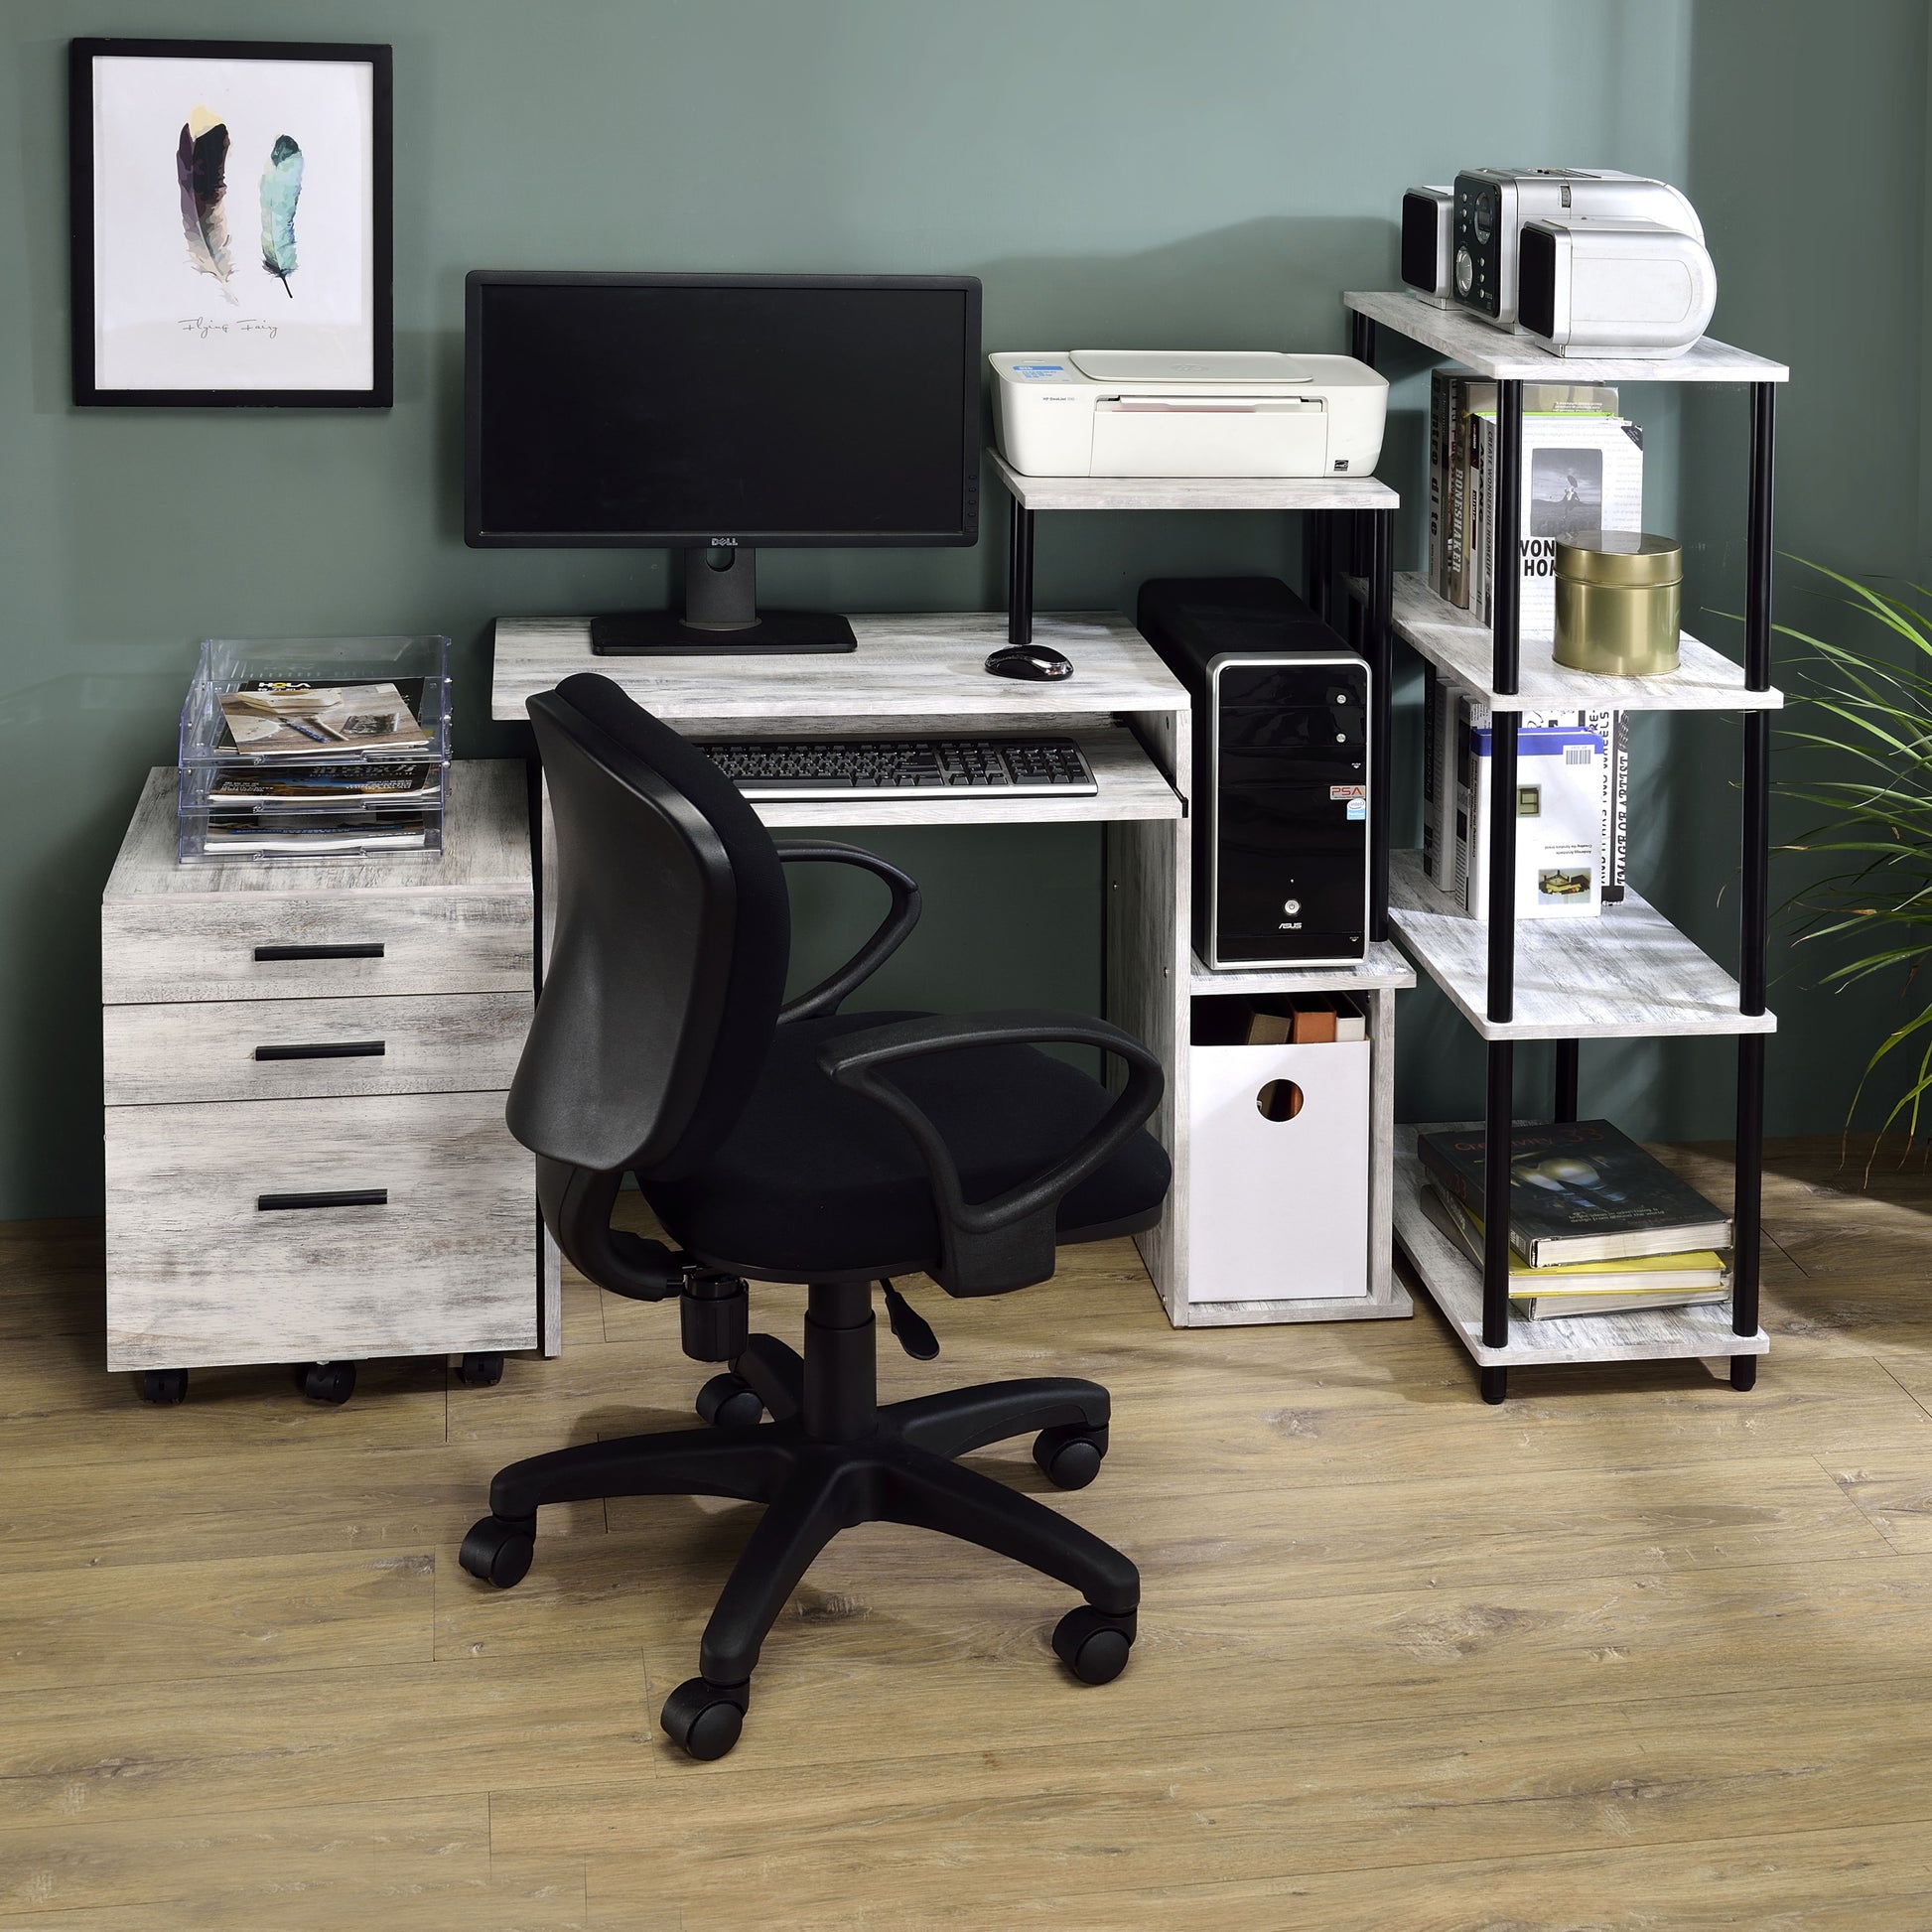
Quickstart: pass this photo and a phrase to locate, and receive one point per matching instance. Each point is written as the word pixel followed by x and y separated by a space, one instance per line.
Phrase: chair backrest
pixel 672 938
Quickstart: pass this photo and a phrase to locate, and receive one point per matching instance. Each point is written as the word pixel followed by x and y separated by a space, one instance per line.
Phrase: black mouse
pixel 1035 662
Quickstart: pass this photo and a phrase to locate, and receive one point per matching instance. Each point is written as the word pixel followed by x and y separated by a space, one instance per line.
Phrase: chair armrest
pixel 989 1247
pixel 892 931
pixel 576 1205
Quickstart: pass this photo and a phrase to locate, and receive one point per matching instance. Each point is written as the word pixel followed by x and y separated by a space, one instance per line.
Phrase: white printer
pixel 1125 412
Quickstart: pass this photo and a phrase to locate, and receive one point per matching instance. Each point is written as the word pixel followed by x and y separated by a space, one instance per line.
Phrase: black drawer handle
pixel 327 1049
pixel 342 1197
pixel 371 950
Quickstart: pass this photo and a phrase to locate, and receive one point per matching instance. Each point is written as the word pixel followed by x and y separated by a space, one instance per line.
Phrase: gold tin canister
pixel 1617 601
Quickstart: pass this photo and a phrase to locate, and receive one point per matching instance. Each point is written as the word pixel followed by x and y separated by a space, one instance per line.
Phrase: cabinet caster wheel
pixel 498 1553
pixel 330 1382
pixel 1068 1457
pixel 729 1402
pixel 1495 1385
pixel 1094 1645
pixel 164 1386
pixel 481 1370
pixel 704 1720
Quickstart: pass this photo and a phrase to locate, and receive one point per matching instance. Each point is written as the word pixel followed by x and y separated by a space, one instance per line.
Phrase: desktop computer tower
pixel 1280 784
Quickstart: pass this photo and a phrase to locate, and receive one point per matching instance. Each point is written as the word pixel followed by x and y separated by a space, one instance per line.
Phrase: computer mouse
pixel 1035 662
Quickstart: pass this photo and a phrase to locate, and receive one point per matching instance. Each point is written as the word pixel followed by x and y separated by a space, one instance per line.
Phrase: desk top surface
pixel 928 667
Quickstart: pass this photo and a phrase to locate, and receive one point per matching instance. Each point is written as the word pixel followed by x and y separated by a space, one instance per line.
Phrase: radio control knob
pixel 1466 271
pixel 1290 907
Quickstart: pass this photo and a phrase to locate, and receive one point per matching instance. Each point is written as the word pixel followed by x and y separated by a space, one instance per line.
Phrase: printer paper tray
pixel 1219 436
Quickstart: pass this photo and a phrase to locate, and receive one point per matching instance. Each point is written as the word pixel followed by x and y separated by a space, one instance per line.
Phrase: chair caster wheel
pixel 729 1402
pixel 705 1718
pixel 1069 1458
pixel 330 1382
pixel 481 1369
pixel 164 1386
pixel 1094 1645
pixel 499 1552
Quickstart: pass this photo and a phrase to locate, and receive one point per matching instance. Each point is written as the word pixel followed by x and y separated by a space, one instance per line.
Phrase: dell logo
pixel 723 543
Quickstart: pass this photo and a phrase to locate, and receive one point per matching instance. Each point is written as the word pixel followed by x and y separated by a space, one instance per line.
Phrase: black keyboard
pixel 828 768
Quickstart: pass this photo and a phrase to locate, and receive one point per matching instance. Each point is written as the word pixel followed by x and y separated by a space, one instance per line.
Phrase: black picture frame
pixel 88 393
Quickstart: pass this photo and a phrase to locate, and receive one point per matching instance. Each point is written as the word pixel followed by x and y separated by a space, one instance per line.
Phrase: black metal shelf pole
pixel 1319 562
pixel 1499 1118
pixel 1566 1081
pixel 1019 574
pixel 1754 895
pixel 1380 653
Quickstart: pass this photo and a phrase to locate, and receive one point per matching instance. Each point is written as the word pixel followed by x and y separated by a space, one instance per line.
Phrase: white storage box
pixel 1278 1207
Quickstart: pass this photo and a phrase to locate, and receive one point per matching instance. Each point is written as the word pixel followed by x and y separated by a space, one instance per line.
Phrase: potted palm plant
pixel 1867 715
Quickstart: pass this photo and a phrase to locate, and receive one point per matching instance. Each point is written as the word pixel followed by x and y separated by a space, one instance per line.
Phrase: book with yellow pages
pixel 1588 1287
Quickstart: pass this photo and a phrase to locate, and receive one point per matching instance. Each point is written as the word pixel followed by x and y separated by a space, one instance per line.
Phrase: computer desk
pixel 923 676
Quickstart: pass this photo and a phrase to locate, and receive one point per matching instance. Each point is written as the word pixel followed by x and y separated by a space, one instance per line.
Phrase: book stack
pixel 309 750
pixel 1597 1227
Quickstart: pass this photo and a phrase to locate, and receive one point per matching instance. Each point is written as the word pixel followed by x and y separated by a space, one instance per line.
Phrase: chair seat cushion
pixel 814 1182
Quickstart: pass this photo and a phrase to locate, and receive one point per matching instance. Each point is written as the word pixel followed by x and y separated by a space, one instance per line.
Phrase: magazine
pixel 269 718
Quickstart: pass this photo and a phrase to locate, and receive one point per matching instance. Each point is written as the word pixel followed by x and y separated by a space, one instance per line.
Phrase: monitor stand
pixel 721 616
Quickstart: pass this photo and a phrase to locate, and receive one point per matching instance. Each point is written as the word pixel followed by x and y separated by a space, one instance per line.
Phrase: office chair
pixel 790 1142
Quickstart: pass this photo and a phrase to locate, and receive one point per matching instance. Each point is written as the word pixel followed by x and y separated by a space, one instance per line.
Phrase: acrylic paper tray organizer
pixel 336 825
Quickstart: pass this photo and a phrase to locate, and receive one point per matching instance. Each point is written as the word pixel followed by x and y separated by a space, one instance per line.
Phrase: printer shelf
pixel 1193 492
pixel 1487 351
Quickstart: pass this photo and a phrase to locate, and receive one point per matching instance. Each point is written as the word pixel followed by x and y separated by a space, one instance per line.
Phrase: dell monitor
pixel 714 414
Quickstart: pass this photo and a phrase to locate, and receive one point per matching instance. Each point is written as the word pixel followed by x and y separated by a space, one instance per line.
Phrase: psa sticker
pixel 1346 791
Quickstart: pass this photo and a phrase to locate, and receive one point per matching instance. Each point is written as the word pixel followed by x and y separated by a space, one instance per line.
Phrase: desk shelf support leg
pixel 1499 1117
pixel 1755 884
pixel 1019 574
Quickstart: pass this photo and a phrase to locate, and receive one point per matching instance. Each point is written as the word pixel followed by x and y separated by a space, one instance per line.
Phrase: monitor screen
pixel 781 410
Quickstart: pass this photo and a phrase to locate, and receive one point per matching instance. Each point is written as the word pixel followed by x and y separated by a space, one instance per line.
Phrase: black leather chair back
pixel 672 938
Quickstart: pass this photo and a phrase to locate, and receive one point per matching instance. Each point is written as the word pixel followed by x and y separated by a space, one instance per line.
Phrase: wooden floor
pixel 1632 1651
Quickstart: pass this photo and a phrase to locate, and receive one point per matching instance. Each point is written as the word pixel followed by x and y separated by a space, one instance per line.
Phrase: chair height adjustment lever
pixel 913 1330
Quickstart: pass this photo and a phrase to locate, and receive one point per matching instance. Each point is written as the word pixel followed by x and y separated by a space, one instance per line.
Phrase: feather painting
pixel 280 190
pixel 201 168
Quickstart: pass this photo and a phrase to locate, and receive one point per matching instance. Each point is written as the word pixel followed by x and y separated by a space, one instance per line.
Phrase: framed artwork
pixel 230 207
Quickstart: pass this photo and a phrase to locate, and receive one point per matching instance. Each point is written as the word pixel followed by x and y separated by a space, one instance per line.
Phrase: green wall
pixel 1207 174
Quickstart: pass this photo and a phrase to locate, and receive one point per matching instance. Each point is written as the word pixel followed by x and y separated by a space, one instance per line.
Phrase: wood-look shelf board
pixel 1257 1314
pixel 1455 1284
pixel 1194 493
pixel 929 666
pixel 1462 647
pixel 1131 786
pixel 1626 974
pixel 1384 966
pixel 1504 357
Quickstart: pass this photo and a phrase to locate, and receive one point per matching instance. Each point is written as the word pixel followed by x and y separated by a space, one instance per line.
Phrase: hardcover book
pixel 1578 1190
pixel 1662 1279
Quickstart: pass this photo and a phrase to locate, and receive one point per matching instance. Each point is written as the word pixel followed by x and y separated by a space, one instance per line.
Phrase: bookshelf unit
pixel 1352 521
pixel 1630 973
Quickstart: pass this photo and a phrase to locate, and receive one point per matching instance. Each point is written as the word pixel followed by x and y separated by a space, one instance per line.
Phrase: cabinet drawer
pixel 272 946
pixel 292 1049
pixel 220 1249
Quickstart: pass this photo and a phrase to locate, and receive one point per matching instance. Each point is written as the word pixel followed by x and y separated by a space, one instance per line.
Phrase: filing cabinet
pixel 304 1073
